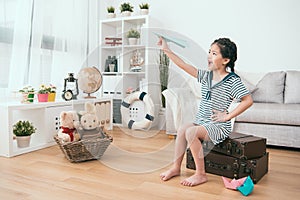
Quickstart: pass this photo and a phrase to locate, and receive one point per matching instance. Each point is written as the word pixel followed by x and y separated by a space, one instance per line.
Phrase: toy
pixel 234 183
pixel 145 123
pixel 247 187
pixel 244 185
pixel 89 124
pixel 67 131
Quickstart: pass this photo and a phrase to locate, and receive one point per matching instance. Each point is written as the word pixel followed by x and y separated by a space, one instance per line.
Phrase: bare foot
pixel 169 174
pixel 196 179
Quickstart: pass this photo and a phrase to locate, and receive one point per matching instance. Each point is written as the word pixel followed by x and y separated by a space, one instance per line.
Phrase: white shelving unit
pixel 117 82
pixel 45 117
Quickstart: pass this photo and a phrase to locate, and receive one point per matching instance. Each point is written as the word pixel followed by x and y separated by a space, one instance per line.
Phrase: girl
pixel 212 122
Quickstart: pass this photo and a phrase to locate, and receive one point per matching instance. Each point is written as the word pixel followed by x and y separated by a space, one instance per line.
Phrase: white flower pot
pixel 23 141
pixel 111 15
pixel 144 11
pixel 132 41
pixel 126 14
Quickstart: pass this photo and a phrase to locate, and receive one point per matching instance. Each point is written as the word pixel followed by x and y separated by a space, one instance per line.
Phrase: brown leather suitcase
pixel 231 167
pixel 240 146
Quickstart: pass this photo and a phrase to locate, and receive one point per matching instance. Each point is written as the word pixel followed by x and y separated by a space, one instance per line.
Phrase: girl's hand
pixel 219 116
pixel 164 46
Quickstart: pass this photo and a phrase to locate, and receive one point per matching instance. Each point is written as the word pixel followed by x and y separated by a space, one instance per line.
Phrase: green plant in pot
pixel 23 131
pixel 164 62
pixel 111 12
pixel 132 36
pixel 43 93
pixel 132 33
pixel 27 94
pixel 144 8
pixel 52 93
pixel 126 9
pixel 111 9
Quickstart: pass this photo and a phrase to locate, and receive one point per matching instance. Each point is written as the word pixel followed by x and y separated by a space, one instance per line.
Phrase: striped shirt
pixel 217 97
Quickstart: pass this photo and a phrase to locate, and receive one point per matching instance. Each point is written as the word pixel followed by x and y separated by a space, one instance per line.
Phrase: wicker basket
pixel 90 148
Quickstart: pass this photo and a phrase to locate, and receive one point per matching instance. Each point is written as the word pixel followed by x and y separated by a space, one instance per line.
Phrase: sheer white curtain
pixel 51 39
pixel 21 41
pixel 7 21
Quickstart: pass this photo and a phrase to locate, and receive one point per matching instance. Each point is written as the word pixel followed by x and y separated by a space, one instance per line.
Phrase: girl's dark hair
pixel 228 50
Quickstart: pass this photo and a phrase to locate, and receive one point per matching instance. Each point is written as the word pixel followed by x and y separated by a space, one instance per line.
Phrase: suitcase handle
pixel 236 166
pixel 228 148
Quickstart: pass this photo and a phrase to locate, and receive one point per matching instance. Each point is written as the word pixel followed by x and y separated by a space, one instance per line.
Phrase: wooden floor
pixel 130 169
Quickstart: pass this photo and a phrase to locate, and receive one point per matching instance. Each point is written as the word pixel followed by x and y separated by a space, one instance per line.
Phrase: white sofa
pixel 275 114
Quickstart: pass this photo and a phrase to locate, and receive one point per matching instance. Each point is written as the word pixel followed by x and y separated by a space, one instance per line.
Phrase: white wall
pixel 267 32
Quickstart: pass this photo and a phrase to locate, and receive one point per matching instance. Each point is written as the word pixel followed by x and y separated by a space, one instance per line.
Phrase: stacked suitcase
pixel 238 156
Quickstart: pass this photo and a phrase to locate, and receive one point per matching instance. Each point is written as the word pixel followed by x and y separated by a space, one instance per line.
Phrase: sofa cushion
pixel 252 88
pixel 272 113
pixel 270 88
pixel 292 82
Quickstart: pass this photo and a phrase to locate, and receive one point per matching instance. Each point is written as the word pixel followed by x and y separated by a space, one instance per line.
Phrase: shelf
pixel 115 84
pixel 112 73
pixel 37 105
pixel 125 46
pixel 111 47
pixel 134 73
pixel 116 22
pixel 45 117
pixel 32 147
pixel 137 20
pixel 134 46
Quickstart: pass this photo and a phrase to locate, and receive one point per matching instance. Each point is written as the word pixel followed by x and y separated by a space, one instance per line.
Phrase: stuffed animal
pixel 67 131
pixel 89 125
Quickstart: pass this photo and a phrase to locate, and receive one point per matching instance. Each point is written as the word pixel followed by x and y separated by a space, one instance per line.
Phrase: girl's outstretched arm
pixel 176 59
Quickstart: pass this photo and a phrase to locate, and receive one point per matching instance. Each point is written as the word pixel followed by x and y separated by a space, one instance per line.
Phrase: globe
pixel 89 80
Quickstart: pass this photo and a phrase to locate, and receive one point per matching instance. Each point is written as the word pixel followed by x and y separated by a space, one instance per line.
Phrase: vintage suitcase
pixel 240 145
pixel 228 166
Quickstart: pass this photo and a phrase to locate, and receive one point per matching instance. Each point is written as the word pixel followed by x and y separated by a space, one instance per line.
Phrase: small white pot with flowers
pixel 23 131
pixel 27 94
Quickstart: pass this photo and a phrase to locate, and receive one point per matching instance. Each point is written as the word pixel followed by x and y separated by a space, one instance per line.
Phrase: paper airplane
pixel 234 183
pixel 247 187
pixel 244 185
pixel 179 42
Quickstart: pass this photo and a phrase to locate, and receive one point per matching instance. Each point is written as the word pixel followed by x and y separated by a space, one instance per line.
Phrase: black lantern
pixel 70 88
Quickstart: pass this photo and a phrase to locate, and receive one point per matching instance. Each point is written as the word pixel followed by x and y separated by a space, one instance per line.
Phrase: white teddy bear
pixel 67 131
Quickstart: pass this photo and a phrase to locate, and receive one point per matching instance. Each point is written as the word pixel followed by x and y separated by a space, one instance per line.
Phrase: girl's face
pixel 215 58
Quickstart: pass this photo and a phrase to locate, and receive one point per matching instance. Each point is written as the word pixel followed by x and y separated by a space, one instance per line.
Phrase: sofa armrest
pixel 181 106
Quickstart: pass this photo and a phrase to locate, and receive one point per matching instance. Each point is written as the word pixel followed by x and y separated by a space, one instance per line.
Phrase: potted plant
pixel 164 62
pixel 144 8
pixel 43 93
pixel 111 12
pixel 23 131
pixel 52 93
pixel 27 94
pixel 126 9
pixel 133 35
